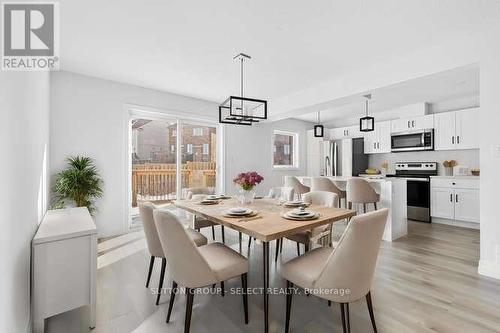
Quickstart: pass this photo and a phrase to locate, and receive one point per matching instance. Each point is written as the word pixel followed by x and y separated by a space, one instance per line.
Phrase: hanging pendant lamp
pixel 367 123
pixel 240 110
pixel 318 129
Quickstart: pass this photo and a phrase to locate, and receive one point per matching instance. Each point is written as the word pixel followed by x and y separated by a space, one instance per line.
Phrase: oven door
pixel 411 141
pixel 418 198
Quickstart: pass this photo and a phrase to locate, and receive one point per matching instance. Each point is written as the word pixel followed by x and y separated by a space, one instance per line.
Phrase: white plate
pixel 299 213
pixel 239 211
pixel 301 218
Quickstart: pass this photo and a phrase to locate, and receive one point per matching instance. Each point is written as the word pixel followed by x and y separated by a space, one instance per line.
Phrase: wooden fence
pixel 157 181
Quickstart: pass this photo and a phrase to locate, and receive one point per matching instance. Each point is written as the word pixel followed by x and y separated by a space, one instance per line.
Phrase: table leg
pixel 265 246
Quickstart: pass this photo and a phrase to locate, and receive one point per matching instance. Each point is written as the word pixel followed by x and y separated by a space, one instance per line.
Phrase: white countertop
pixel 63 224
pixel 457 177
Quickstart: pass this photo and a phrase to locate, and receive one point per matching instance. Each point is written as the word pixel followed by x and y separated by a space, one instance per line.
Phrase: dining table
pixel 267 225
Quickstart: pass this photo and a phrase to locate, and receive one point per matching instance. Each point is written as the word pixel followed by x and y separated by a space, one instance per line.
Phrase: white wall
pixel 468 158
pixel 490 153
pixel 24 135
pixel 88 117
pixel 249 148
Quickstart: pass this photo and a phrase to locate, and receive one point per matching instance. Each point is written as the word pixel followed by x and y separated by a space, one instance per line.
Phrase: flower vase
pixel 246 196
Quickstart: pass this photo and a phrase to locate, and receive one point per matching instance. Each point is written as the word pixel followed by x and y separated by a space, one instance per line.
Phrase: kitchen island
pixel 392 196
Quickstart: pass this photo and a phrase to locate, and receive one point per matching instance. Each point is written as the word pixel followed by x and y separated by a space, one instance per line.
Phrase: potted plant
pixel 79 182
pixel 448 167
pixel 247 182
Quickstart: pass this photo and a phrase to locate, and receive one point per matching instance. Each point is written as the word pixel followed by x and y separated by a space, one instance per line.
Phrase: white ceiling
pixel 187 47
pixel 460 84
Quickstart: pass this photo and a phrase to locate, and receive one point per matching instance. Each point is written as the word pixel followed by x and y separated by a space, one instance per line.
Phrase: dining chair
pixel 153 242
pixel 359 191
pixel 194 267
pixel 325 184
pixel 320 198
pixel 199 193
pixel 298 187
pixel 282 193
pixel 345 271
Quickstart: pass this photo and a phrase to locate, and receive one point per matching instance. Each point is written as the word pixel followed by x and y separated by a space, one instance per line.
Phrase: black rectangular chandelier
pixel 367 123
pixel 240 110
pixel 318 129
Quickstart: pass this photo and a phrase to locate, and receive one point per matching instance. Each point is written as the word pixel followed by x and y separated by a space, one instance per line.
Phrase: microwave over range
pixel 412 141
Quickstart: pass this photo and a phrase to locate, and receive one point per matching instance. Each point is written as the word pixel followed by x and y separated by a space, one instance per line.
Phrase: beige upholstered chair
pixel 199 193
pixel 298 187
pixel 283 193
pixel 349 266
pixel 154 245
pixel 360 192
pixel 320 198
pixel 325 184
pixel 194 267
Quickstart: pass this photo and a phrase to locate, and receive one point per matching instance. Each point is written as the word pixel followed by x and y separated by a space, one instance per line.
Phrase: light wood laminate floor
pixel 426 282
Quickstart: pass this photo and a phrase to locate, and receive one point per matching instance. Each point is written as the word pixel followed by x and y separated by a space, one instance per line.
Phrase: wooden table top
pixel 272 225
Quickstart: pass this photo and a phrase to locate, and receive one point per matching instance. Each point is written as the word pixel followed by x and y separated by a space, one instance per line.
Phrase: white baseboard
pixel 489 269
pixel 456 223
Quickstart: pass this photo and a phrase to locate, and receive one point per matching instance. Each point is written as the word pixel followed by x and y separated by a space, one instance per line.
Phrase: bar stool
pixel 359 191
pixel 325 184
pixel 298 187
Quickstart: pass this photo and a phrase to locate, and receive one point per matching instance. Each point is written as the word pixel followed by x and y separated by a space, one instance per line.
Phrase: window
pixel 189 148
pixel 174 133
pixel 197 131
pixel 205 149
pixel 285 149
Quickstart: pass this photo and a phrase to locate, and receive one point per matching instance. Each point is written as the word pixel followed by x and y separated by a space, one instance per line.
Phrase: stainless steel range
pixel 418 198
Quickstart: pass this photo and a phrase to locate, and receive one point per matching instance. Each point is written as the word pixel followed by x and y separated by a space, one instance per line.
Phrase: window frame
pixel 294 152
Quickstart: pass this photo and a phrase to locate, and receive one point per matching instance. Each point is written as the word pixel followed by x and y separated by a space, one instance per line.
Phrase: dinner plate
pixel 209 202
pixel 300 213
pixel 294 204
pixel 249 214
pixel 300 218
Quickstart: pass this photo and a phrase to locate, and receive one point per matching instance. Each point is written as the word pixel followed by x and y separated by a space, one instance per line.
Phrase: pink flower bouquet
pixel 248 180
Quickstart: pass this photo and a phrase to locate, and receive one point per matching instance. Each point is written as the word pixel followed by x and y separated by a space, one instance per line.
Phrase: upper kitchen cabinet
pixel 456 130
pixel 345 133
pixel 412 124
pixel 379 140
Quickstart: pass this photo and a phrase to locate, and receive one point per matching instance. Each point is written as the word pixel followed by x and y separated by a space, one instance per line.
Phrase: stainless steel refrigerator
pixel 344 157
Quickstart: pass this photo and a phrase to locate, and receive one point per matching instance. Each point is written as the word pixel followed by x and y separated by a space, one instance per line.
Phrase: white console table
pixel 64 259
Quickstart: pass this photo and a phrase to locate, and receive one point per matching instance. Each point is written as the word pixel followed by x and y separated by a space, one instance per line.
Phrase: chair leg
pixel 223 235
pixel 162 276
pixel 298 249
pixel 370 310
pixel 240 239
pixel 213 232
pixel 222 288
pixel 329 303
pixel 289 295
pixel 249 241
pixel 277 250
pixel 347 319
pixel 375 205
pixel 151 264
pixel 349 205
pixel 342 315
pixel 281 245
pixel 306 248
pixel 245 295
pixel 172 299
pixel 364 207
pixel 189 309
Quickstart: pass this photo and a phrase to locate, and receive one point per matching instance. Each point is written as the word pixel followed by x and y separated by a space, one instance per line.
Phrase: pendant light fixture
pixel 240 110
pixel 367 123
pixel 318 129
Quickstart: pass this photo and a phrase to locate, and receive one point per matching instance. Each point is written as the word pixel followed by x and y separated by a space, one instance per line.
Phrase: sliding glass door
pixel 198 156
pixel 168 156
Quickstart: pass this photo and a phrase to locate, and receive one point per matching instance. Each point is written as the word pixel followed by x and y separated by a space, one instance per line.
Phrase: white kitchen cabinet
pixel 412 124
pixel 455 198
pixel 456 130
pixel 442 203
pixel 346 132
pixel 467 205
pixel 466 129
pixel 379 140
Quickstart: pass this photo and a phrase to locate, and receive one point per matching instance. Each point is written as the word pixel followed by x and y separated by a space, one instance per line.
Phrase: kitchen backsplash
pixel 469 158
